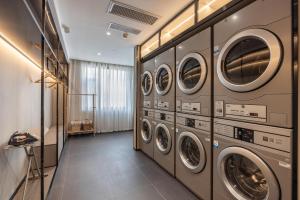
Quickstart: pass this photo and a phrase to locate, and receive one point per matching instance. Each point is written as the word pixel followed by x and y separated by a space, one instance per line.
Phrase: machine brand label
pixel 250 112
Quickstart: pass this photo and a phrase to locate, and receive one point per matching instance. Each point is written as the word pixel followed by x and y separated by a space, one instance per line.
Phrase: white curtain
pixel 113 86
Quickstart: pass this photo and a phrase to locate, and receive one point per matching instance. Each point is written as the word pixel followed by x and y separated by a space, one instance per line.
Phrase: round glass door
pixel 249 60
pixel 191 73
pixel 146 131
pixel 163 79
pixel 147 83
pixel 163 138
pixel 191 152
pixel 246 176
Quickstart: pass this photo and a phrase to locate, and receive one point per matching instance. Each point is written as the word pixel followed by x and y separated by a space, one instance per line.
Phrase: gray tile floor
pixel 106 167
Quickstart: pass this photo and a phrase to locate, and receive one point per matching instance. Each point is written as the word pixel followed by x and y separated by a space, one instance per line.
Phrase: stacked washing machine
pixel 253 103
pixel 145 135
pixel 164 115
pixel 224 127
pixel 193 114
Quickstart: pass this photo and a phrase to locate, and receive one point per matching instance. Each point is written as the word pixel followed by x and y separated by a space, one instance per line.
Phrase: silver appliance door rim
pixel 146 93
pixel 166 67
pixel 157 143
pixel 275 57
pixel 273 192
pixel 203 74
pixel 202 162
pixel 145 139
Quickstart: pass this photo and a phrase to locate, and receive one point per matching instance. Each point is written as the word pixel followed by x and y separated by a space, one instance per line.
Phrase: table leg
pixel 36 163
pixel 26 179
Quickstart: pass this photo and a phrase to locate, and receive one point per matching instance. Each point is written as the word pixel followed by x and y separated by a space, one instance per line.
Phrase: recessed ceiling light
pixel 235 17
pixel 108 33
pixel 99 53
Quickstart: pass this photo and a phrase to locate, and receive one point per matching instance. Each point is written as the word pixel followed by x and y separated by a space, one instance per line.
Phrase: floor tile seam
pixel 155 188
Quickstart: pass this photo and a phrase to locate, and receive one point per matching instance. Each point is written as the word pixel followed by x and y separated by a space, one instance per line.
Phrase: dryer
pixel 253 68
pixel 164 140
pixel 251 161
pixel 193 153
pixel 146 133
pixel 193 74
pixel 164 98
pixel 147 84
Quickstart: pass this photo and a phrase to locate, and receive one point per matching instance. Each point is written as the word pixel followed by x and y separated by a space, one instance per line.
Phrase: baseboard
pixel 17 189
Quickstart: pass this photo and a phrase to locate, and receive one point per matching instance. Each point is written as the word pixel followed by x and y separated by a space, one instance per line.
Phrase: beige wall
pixel 19 110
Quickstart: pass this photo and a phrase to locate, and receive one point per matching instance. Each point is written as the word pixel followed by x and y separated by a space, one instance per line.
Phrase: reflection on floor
pixel 33 188
pixel 105 167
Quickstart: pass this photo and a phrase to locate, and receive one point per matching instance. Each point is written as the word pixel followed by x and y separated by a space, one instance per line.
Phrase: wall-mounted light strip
pixel 50 22
pixel 11 44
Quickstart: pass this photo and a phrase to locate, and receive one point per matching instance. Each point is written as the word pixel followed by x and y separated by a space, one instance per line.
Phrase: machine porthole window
pixel 146 131
pixel 191 73
pixel 191 152
pixel 249 60
pixel 246 61
pixel 246 176
pixel 147 83
pixel 163 138
pixel 163 80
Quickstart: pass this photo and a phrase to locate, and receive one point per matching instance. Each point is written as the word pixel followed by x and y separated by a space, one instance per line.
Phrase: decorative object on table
pixel 79 126
pixel 87 124
pixel 18 139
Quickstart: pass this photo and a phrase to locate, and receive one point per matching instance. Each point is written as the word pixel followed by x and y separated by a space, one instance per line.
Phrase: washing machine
pixel 164 98
pixel 253 64
pixel 193 153
pixel 251 161
pixel 193 74
pixel 164 140
pixel 147 84
pixel 146 132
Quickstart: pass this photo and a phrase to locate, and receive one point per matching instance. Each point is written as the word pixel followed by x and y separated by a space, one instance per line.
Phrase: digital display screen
pixel 162 116
pixel 243 134
pixel 190 122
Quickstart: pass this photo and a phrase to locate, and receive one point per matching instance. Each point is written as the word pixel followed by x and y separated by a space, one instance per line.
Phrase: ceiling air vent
pixel 130 12
pixel 122 28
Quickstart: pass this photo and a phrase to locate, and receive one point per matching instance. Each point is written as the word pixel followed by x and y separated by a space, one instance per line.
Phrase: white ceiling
pixel 88 21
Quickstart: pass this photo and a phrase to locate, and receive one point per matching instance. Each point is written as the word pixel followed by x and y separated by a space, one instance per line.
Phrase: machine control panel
pixel 188 107
pixel 147 104
pixel 164 116
pixel 256 135
pixel 243 134
pixel 247 112
pixel 192 121
pixel 195 107
pixel 163 105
